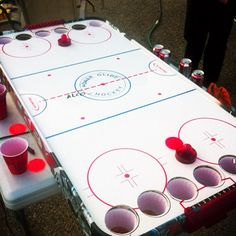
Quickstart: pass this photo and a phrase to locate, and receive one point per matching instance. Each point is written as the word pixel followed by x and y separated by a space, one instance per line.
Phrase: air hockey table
pixel 109 117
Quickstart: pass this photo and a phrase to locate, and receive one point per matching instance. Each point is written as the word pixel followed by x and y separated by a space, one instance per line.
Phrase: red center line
pixel 101 84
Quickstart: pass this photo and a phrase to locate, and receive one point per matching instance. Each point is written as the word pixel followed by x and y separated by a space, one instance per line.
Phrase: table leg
pixel 21 3
pixel 21 218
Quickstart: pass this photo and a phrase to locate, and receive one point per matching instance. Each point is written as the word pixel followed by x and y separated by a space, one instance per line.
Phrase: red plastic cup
pixel 3 102
pixel 15 154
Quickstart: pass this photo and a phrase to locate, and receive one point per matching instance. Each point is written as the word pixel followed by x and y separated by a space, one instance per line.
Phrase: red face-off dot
pixel 17 128
pixel 36 165
pixel 173 143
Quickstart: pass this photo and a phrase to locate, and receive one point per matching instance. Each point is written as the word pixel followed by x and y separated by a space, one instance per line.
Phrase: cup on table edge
pixel 3 102
pixel 15 154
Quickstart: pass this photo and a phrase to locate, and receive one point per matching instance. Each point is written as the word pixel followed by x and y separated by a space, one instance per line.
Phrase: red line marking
pixel 102 84
pixel 181 204
pixel 229 178
pixel 201 188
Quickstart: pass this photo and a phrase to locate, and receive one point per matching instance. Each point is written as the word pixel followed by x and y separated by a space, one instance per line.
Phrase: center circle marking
pixel 102 85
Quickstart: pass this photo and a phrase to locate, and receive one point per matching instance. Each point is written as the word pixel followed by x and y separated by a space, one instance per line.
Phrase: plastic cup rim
pixel 4 89
pixel 9 156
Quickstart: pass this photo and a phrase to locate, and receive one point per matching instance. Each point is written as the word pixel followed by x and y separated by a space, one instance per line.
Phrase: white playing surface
pixel 106 106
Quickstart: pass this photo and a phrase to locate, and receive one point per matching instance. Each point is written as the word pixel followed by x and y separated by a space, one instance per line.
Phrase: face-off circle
pixel 37 104
pixel 211 137
pixel 119 176
pixel 89 35
pixel 160 68
pixel 102 85
pixel 31 47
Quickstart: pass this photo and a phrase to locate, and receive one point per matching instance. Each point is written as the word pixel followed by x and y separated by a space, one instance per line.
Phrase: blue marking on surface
pixel 77 63
pixel 121 113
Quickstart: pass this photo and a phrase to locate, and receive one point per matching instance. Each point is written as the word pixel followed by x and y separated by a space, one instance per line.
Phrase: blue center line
pixel 76 63
pixel 119 114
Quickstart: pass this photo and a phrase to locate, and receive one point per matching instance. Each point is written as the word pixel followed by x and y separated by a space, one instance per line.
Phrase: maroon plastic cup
pixel 15 154
pixel 3 102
